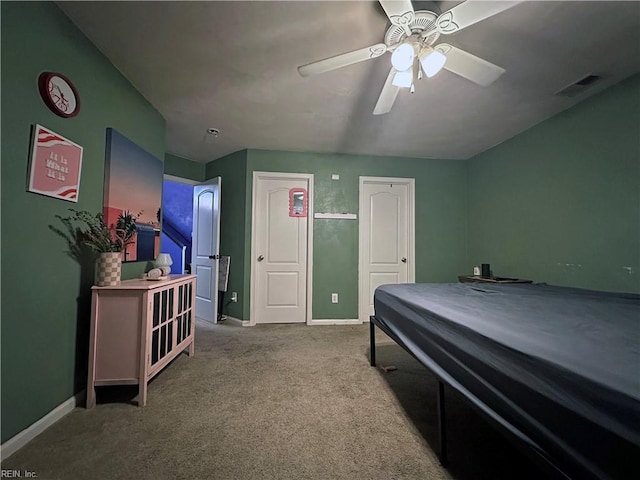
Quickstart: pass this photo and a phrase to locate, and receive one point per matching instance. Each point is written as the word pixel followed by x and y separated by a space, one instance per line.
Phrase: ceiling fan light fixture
pixel 432 61
pixel 403 79
pixel 402 57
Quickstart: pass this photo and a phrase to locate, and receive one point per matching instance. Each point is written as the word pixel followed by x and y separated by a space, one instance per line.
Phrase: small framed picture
pixel 297 202
pixel 55 165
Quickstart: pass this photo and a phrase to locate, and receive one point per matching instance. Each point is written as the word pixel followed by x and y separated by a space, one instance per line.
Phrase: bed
pixel 557 368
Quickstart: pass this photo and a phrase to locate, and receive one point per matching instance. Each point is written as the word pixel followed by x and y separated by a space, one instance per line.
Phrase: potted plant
pixel 85 229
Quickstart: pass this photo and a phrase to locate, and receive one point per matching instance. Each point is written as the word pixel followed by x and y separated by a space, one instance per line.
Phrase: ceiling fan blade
pixel 468 13
pixel 469 66
pixel 342 60
pixel 387 95
pixel 400 12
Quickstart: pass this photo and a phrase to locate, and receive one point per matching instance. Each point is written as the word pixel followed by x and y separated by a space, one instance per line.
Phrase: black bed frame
pixel 538 457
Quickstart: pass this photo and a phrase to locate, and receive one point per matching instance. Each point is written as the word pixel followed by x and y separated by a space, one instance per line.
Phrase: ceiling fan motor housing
pixel 424 22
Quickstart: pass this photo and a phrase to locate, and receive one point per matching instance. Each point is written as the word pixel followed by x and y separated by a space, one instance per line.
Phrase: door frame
pixel 363 236
pixel 308 177
pixel 184 181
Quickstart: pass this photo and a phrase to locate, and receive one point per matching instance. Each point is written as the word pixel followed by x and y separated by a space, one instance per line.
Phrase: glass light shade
pixel 402 57
pixel 403 79
pixel 432 61
pixel 164 260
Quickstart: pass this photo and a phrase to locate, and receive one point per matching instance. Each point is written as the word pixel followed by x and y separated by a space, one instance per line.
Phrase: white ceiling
pixel 232 65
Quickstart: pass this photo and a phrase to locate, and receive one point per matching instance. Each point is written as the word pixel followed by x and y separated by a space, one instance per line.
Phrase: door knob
pixel 214 257
pixel 260 258
pixel 404 259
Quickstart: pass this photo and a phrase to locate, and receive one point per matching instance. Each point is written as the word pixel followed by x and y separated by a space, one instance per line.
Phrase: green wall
pixel 232 170
pixel 183 167
pixel 560 203
pixel 45 293
pixel 440 220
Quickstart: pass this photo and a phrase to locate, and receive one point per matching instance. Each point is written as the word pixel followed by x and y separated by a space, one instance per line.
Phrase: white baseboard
pixel 335 321
pixel 315 321
pixel 235 321
pixel 19 440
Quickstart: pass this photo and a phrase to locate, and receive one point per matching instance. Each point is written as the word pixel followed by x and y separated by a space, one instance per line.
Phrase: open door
pixel 206 247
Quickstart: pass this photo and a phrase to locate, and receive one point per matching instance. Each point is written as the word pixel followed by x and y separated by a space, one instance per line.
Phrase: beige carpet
pixel 274 402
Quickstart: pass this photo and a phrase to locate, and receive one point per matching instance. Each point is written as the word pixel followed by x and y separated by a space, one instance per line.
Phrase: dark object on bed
pixel 475 279
pixel 556 367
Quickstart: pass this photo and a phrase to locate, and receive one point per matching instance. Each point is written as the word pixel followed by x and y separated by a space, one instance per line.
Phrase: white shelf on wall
pixel 337 216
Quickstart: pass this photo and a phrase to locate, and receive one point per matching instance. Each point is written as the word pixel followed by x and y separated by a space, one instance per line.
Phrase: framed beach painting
pixel 133 186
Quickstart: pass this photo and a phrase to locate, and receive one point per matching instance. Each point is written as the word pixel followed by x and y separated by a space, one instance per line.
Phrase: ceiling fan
pixel 411 38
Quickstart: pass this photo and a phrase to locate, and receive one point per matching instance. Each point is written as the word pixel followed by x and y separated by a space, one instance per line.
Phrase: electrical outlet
pixel 234 296
pixel 334 298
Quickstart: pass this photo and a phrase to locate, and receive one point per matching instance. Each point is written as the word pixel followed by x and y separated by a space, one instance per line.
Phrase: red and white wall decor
pixel 55 165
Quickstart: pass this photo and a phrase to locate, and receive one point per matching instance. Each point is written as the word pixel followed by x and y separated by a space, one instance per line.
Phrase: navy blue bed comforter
pixel 559 367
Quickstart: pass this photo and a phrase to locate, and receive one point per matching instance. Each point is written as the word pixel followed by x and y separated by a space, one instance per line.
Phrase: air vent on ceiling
pixel 576 88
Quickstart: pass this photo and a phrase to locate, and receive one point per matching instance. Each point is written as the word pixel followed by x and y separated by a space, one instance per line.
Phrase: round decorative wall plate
pixel 59 94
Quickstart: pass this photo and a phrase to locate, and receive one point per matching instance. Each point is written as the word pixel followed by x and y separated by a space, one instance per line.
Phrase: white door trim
pixel 308 177
pixel 363 236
